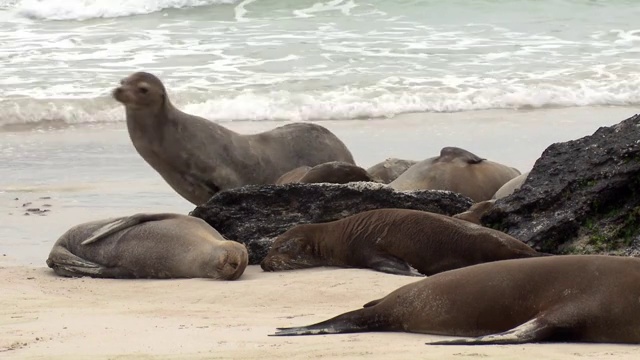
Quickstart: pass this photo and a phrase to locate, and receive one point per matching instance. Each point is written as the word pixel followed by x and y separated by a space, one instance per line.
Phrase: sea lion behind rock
pixel 456 170
pixel 198 157
pixel 390 169
pixel 393 241
pixel 335 172
pixel 510 186
pixel 147 246
pixel 578 298
pixel 476 211
pixel 293 175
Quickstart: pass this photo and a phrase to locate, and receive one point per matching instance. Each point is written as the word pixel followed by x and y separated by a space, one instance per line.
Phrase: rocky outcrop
pixel 255 214
pixel 582 196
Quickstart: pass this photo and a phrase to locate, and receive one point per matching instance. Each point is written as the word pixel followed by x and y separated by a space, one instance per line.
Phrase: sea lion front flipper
pixel 392 265
pixel 372 303
pixel 534 330
pixel 124 223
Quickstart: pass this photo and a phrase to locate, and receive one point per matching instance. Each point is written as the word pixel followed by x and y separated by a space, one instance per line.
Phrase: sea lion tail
pixel 124 223
pixel 360 320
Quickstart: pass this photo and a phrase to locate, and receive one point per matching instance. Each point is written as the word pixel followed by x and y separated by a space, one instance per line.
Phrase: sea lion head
pixel 292 250
pixel 141 91
pixel 228 261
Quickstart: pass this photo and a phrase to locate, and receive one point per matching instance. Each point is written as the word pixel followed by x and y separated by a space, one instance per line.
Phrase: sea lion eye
pixel 143 89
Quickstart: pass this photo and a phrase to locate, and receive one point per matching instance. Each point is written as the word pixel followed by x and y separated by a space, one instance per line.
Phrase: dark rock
pixel 255 214
pixel 582 196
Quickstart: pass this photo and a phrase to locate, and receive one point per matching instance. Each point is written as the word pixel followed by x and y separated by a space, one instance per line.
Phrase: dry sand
pixel 43 316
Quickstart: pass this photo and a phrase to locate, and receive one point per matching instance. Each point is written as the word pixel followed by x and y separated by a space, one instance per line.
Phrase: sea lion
pixel 390 169
pixel 510 186
pixel 475 213
pixel 335 172
pixel 456 170
pixel 577 298
pixel 394 241
pixel 143 245
pixel 293 175
pixel 198 157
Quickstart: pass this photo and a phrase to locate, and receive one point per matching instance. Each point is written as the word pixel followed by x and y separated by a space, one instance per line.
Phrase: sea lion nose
pixel 117 91
pixel 265 265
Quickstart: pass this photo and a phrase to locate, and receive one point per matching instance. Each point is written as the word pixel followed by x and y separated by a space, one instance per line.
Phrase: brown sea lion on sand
pixel 510 186
pixel 476 211
pixel 198 157
pixel 335 172
pixel 390 169
pixel 578 298
pixel 393 241
pixel 456 170
pixel 148 246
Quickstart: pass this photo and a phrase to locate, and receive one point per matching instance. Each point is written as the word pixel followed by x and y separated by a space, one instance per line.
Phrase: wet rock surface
pixel 582 196
pixel 254 215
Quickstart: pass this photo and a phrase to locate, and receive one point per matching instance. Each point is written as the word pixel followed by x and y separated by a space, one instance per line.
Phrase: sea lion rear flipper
pixel 124 223
pixel 534 330
pixel 392 265
pixel 65 263
pixel 360 320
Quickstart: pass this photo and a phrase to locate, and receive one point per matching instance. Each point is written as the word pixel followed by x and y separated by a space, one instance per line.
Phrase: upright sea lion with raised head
pixel 335 172
pixel 577 298
pixel 390 169
pixel 456 170
pixel 395 241
pixel 159 246
pixel 198 157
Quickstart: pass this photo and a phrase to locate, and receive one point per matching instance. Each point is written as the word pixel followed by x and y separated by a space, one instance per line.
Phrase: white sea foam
pixel 90 9
pixel 346 103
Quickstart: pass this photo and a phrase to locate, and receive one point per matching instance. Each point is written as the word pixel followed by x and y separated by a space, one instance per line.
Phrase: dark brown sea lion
pixel 393 241
pixel 148 246
pixel 390 169
pixel 456 170
pixel 198 157
pixel 578 298
pixel 335 172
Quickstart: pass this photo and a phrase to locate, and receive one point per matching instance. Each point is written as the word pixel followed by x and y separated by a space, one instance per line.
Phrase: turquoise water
pixel 309 60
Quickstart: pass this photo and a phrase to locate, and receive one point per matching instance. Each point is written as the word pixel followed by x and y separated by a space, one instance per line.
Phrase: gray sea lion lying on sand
pixel 148 246
pixel 578 298
pixel 198 157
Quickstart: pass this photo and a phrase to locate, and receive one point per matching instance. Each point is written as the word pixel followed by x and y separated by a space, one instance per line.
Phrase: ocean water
pixel 232 60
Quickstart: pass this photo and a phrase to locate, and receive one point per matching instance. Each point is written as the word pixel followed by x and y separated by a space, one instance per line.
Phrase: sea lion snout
pixel 233 262
pixel 119 94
